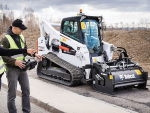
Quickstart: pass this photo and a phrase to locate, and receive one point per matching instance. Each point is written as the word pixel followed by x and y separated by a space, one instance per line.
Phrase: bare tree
pixel 1 15
pixel 116 25
pixel 104 25
pixel 28 16
pixel 111 27
pixel 121 23
pixel 132 25
pixel 50 18
pixel 146 23
pixel 138 25
pixel 142 23
pixel 6 18
pixel 127 25
pixel 6 7
pixel 30 19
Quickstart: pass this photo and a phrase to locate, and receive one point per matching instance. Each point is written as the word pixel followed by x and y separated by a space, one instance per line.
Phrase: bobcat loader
pixel 77 54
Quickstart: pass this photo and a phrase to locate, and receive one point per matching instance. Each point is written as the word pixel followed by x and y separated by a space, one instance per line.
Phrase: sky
pixel 113 11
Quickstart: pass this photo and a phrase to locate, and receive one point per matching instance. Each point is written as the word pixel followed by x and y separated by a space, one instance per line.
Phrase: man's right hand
pixel 20 63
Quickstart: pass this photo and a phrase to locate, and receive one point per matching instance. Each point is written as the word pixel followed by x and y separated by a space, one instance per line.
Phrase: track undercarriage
pixel 58 70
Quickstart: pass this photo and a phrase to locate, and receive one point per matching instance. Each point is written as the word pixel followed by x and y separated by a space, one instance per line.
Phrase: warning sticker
pixel 95 59
pixel 55 67
pixel 82 25
pixel 63 39
pixel 110 77
pixel 138 72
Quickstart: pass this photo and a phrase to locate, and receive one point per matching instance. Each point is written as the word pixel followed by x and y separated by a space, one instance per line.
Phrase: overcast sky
pixel 113 11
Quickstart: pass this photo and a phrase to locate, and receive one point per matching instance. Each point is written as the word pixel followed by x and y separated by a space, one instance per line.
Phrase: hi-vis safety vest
pixel 2 67
pixel 14 46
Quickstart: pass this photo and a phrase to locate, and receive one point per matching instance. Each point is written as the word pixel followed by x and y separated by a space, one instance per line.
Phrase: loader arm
pixel 63 57
pixel 56 39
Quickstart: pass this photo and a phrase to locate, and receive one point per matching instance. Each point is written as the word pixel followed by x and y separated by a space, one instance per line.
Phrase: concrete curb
pixel 38 102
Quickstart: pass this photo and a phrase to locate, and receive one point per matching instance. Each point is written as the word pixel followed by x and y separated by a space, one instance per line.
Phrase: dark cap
pixel 19 23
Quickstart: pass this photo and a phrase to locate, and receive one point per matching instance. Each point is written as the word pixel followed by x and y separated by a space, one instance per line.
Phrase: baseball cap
pixel 19 23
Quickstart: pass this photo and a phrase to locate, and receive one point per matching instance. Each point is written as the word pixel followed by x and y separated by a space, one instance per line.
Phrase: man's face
pixel 17 30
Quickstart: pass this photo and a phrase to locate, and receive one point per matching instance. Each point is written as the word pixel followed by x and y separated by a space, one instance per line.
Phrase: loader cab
pixel 84 29
pixel 70 28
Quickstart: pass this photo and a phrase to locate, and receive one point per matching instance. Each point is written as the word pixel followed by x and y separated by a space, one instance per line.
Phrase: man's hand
pixel 31 51
pixel 20 63
pixel 39 57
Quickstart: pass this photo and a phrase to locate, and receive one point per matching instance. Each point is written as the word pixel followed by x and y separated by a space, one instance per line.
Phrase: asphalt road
pixel 3 104
pixel 134 99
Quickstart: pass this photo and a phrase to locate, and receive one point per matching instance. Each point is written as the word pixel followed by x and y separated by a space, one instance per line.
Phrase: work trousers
pixel 0 80
pixel 15 75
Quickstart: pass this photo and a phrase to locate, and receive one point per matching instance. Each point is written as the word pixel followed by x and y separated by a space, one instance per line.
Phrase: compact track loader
pixel 77 54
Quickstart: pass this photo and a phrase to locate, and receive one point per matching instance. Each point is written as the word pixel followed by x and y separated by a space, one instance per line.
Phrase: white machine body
pixel 82 56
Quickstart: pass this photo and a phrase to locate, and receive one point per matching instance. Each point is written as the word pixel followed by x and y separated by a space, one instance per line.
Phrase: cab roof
pixel 77 18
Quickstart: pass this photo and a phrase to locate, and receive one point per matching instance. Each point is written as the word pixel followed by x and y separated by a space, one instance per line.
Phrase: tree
pixel 111 27
pixel 142 23
pixel 116 25
pixel 146 23
pixel 30 19
pixel 6 18
pixel 127 26
pixel 104 25
pixel 132 25
pixel 138 25
pixel 121 23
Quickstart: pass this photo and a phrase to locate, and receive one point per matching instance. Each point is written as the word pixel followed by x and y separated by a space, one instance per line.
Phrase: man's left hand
pixel 39 57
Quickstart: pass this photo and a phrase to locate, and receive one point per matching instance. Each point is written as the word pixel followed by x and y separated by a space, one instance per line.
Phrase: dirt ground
pixel 136 42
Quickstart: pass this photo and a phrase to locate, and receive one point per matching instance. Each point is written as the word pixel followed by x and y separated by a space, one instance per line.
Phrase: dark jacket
pixel 5 43
pixel 10 52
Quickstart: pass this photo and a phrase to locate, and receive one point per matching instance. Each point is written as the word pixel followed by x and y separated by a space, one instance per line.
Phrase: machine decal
pixel 41 48
pixel 85 52
pixel 103 74
pixel 121 77
pixel 95 59
pixel 110 77
pixel 82 25
pixel 126 76
pixel 138 72
pixel 63 39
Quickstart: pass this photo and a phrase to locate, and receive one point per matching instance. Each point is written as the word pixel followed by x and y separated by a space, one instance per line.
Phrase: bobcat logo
pixel 126 76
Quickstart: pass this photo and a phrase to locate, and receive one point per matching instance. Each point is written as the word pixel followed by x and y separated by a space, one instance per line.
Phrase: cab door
pixel 70 29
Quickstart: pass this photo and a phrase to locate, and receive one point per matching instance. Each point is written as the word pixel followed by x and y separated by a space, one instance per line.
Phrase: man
pixel 10 52
pixel 15 40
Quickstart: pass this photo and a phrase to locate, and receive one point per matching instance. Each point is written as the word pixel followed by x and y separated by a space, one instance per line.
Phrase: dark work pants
pixel 15 75
pixel 0 80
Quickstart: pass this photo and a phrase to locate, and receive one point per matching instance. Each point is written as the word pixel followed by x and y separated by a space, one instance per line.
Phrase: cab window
pixel 91 38
pixel 70 28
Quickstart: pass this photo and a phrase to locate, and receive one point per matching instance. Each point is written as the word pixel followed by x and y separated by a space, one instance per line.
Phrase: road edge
pixel 37 102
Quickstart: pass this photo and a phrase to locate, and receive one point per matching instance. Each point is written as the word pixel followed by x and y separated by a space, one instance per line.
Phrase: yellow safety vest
pixel 14 46
pixel 2 67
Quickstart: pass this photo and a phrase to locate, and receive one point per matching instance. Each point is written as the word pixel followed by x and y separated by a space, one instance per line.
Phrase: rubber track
pixel 76 73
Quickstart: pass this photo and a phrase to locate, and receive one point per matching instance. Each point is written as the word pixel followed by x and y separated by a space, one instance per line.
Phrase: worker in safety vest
pixel 14 64
pixel 10 52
